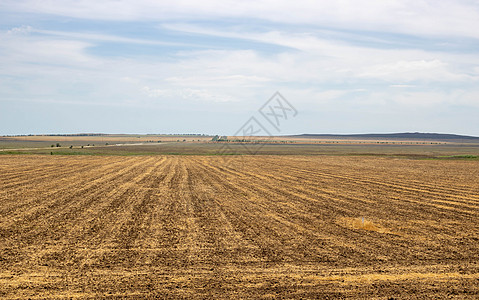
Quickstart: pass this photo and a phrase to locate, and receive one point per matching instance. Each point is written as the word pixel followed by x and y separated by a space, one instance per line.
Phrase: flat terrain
pixel 238 227
pixel 211 148
pixel 127 145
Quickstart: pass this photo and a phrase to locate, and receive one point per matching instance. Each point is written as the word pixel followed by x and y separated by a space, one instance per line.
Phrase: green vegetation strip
pixel 472 157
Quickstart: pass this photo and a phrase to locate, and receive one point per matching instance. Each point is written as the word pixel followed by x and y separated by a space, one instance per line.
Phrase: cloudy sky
pixel 189 66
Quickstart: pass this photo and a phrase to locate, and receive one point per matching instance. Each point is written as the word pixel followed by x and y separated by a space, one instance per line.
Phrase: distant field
pixel 292 149
pixel 420 150
pixel 36 141
pixel 238 227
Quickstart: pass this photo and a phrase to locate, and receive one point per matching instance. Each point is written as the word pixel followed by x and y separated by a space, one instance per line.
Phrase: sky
pixel 184 66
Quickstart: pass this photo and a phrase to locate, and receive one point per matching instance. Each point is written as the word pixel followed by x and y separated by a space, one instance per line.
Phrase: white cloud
pixel 402 85
pixel 106 38
pixel 25 29
pixel 322 59
pixel 233 80
pixel 310 75
pixel 311 69
pixel 413 70
pixel 442 18
pixel 23 49
pixel 186 94
pixel 419 99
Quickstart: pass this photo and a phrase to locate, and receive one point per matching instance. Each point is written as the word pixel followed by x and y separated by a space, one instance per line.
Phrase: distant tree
pixel 215 138
pixel 53 146
pixel 71 146
pixel 58 145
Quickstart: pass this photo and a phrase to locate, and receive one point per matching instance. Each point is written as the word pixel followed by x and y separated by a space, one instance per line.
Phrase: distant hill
pixel 395 136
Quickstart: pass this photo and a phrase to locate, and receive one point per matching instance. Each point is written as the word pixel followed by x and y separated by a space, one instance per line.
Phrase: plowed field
pixel 238 227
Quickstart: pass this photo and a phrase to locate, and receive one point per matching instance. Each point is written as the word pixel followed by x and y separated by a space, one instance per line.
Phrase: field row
pixel 237 225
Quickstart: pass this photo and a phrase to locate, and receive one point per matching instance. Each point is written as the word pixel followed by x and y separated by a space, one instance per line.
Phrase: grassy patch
pixel 467 157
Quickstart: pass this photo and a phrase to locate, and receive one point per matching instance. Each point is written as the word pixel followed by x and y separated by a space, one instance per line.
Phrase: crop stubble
pixel 195 226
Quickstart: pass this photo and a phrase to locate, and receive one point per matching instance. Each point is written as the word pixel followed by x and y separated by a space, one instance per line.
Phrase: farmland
pixel 239 226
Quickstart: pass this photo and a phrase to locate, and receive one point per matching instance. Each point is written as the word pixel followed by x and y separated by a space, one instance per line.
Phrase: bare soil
pixel 238 227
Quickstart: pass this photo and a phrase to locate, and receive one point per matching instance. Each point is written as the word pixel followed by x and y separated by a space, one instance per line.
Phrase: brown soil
pixel 238 227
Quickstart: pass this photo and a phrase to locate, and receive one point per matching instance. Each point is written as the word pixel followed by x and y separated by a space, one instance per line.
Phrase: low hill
pixel 395 136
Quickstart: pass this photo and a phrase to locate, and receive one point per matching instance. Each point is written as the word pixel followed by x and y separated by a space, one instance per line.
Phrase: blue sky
pixel 208 66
